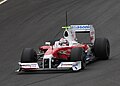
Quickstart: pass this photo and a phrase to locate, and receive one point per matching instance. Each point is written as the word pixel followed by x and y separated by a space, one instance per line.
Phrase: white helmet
pixel 63 42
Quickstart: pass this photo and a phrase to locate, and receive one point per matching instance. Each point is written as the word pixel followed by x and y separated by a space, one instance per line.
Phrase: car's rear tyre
pixel 102 48
pixel 78 54
pixel 28 55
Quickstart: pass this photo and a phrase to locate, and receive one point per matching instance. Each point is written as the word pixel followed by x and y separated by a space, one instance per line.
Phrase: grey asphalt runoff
pixel 29 23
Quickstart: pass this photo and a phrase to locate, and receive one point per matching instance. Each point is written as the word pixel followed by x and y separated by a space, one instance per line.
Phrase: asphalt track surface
pixel 29 23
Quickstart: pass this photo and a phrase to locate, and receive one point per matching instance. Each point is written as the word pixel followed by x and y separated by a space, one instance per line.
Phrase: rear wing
pixel 85 29
pixel 82 28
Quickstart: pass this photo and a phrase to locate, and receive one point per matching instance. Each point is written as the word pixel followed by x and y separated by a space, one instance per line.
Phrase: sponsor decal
pixel 63 51
pixel 26 66
pixel 66 64
pixel 92 33
pixel 74 65
pixel 33 65
pixel 81 27
pixel 29 65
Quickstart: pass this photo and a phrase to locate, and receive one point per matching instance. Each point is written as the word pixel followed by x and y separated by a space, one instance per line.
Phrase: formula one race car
pixel 66 53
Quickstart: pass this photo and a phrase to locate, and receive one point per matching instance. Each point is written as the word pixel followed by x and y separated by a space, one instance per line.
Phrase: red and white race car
pixel 66 53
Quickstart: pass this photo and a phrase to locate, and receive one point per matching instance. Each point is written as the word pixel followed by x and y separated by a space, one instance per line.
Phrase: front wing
pixel 75 66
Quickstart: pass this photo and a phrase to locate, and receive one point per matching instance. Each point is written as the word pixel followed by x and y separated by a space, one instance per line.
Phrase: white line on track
pixel 3 1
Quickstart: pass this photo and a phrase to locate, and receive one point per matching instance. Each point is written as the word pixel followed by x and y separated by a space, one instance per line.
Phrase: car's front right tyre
pixel 28 55
pixel 78 54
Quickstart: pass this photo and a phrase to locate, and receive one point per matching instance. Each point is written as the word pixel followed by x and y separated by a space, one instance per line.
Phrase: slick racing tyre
pixel 28 55
pixel 102 48
pixel 78 54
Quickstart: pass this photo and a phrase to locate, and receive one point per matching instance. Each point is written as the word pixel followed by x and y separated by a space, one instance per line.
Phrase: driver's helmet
pixel 63 42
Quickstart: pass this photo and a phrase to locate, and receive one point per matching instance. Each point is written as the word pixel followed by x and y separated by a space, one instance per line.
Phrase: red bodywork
pixel 62 52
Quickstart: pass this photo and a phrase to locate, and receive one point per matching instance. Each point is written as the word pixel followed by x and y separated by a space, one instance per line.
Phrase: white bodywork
pixel 70 35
